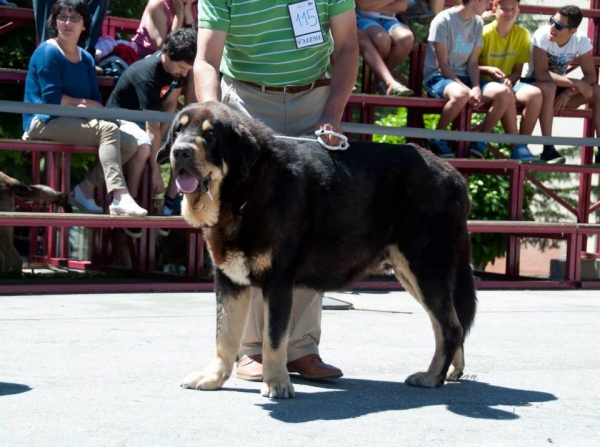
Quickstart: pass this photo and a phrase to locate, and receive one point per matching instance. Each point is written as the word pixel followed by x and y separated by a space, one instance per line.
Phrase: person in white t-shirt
pixel 554 47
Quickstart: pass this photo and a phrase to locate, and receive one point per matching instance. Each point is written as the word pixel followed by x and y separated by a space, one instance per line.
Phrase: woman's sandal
pixel 397 90
pixel 401 90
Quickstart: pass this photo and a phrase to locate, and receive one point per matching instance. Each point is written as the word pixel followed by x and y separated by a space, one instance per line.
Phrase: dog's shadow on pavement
pixel 351 398
pixel 8 389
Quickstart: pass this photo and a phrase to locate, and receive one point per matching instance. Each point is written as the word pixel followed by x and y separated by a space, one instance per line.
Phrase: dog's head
pixel 206 143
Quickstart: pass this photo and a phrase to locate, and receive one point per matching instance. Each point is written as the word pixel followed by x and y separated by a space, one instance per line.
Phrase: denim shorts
pixel 519 85
pixel 436 84
pixel 388 24
pixel 484 84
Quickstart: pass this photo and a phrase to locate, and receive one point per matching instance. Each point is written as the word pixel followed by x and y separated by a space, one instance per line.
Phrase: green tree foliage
pixel 127 8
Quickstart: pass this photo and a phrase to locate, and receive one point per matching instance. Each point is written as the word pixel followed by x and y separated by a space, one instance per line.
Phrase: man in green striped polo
pixel 274 58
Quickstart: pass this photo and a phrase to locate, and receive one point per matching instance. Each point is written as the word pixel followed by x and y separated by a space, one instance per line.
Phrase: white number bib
pixel 306 24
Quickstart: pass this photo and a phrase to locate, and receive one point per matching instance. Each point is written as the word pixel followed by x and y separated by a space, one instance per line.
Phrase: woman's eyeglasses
pixel 64 17
pixel 559 26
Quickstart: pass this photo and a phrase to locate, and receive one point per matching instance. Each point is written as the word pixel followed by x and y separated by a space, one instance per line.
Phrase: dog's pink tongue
pixel 186 183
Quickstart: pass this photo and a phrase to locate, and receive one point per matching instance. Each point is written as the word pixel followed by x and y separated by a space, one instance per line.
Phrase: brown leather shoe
pixel 250 368
pixel 312 367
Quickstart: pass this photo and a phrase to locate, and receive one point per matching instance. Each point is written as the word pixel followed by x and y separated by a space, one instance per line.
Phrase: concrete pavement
pixel 104 370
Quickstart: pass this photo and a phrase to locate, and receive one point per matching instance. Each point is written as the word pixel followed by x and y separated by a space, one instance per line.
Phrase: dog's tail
pixel 465 298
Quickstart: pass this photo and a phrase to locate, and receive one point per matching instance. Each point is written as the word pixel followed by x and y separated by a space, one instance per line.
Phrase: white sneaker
pixel 83 203
pixel 129 208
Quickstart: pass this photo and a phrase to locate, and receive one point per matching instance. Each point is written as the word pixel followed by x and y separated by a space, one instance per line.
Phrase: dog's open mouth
pixel 187 183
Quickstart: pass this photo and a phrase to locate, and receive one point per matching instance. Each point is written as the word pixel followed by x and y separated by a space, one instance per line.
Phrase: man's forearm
pixel 343 75
pixel 206 82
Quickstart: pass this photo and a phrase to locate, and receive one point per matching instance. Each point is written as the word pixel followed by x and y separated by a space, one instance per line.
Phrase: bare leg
pixel 532 99
pixel 498 97
pixel 134 169
pixel 547 114
pixel 402 43
pixel 458 97
pixel 372 54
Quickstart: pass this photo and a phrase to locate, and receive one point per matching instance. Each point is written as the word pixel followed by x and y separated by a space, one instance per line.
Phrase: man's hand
pixel 332 140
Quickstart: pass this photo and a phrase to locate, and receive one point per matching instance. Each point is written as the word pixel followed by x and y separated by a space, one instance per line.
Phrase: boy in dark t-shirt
pixel 154 84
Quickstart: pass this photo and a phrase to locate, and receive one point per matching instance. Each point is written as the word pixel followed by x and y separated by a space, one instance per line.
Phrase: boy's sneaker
pixel 478 148
pixel 164 232
pixel 521 152
pixel 551 156
pixel 135 233
pixel 172 206
pixel 440 148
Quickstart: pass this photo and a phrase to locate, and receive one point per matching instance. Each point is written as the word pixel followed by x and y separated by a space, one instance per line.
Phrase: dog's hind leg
pixel 277 310
pixel 448 340
pixel 435 295
pixel 233 302
pixel 465 303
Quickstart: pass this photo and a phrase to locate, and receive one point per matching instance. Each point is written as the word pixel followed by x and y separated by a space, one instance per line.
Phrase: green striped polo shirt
pixel 260 46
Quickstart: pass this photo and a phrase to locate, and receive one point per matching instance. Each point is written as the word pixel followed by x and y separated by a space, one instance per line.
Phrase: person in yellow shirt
pixel 506 47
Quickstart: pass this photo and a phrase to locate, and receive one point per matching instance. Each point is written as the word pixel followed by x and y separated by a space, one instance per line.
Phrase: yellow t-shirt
pixel 504 52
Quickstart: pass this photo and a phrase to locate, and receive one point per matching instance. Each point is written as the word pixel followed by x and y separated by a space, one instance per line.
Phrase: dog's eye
pixel 209 135
pixel 176 130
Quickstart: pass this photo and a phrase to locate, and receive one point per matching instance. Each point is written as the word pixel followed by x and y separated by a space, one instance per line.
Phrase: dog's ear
pixel 248 149
pixel 163 155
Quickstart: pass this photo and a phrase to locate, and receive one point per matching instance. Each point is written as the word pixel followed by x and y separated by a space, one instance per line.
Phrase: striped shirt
pixel 261 47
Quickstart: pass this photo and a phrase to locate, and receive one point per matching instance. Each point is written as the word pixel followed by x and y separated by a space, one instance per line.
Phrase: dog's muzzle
pixel 182 163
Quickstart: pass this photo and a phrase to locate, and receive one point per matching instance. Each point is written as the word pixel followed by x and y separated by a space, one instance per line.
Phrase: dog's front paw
pixel 212 378
pixel 424 380
pixel 278 390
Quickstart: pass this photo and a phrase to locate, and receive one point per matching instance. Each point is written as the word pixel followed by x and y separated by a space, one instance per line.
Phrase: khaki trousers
pixel 305 325
pixel 115 148
pixel 294 115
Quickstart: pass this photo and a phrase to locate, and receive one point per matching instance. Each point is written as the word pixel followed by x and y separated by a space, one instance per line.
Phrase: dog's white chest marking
pixel 236 267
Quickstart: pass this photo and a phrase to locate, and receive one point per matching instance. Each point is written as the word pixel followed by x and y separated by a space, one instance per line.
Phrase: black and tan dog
pixel 10 260
pixel 279 214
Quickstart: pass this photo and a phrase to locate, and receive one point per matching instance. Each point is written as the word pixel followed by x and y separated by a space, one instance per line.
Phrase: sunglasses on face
pixel 559 26
pixel 64 17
